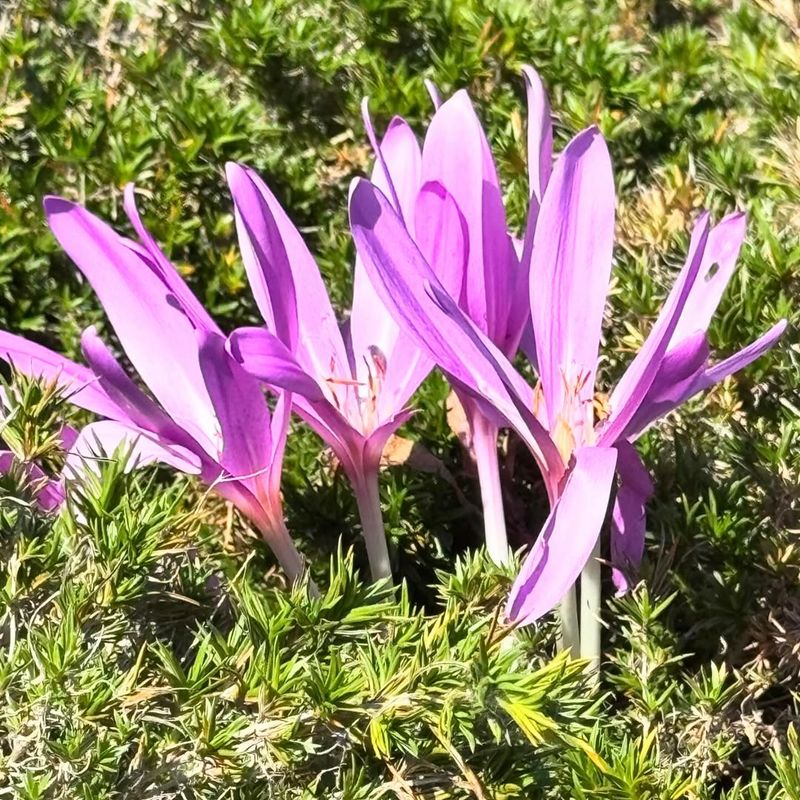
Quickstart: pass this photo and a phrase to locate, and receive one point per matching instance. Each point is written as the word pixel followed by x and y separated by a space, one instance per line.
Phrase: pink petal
pixel 628 517
pixel 139 409
pixel 456 154
pixel 321 350
pixel 632 389
pixel 244 421
pixel 80 383
pixel 567 539
pixel 570 269
pixel 719 261
pixel 416 298
pixel 540 134
pixel 156 335
pixel 164 268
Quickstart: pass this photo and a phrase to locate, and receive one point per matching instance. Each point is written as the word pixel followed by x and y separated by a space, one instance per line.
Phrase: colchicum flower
pixel 206 416
pixel 580 453
pixel 351 386
pixel 456 158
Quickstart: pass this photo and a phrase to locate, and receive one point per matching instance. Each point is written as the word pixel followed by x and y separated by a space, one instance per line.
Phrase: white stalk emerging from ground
pixel 368 499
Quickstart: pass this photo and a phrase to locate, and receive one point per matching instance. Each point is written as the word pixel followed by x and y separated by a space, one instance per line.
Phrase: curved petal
pixel 632 389
pixel 397 173
pixel 100 440
pixel 48 493
pixel 137 406
pixel 719 261
pixel 743 358
pixel 244 446
pixel 442 241
pixel 79 383
pixel 628 517
pixel 164 268
pixel 540 134
pixel 321 351
pixel 156 335
pixel 267 358
pixel 457 155
pixel 570 270
pixel 567 539
pixel 676 375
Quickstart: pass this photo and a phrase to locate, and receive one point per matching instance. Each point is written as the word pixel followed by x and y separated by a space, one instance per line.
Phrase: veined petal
pixel 719 261
pixel 164 268
pixel 267 358
pixel 540 134
pixel 100 441
pixel 79 383
pixel 321 350
pixel 442 241
pixel 374 334
pixel 570 269
pixel 427 313
pixel 157 336
pixel 566 541
pixel 743 358
pixel 632 389
pixel 137 406
pixel 674 381
pixel 244 421
pixel 628 517
pixel 457 155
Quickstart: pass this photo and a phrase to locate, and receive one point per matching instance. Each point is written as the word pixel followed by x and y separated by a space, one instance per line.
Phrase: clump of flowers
pixel 438 281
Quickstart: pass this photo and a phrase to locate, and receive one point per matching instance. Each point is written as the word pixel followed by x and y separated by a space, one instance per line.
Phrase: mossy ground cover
pixel 148 647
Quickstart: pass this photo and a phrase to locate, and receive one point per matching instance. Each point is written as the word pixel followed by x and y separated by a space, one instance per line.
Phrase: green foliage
pixel 147 648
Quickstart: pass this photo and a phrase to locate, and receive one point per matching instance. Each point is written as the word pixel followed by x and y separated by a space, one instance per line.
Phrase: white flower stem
pixel 591 628
pixel 484 445
pixel 369 508
pixel 568 612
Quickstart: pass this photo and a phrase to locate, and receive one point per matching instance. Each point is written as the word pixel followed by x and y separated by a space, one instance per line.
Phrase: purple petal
pixel 267 358
pixel 136 405
pixel 157 336
pixel 634 385
pixel 321 350
pixel 741 359
pixel 628 516
pixel 677 374
pixel 244 422
pixel 567 539
pixel 719 261
pixel 49 494
pixel 80 383
pixel 570 269
pixel 164 268
pixel 456 154
pixel 374 335
pixel 100 440
pixel 540 133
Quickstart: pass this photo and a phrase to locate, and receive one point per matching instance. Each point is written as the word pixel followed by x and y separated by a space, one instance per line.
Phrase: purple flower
pixel 205 417
pixel 456 158
pixel 569 273
pixel 350 385
pixel 47 492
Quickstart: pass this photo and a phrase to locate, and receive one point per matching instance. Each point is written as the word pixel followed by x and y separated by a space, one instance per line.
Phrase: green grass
pixel 147 648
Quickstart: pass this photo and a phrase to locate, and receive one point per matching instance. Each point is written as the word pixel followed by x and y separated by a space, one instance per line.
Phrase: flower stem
pixel 484 444
pixel 591 628
pixel 568 611
pixel 369 508
pixel 276 535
